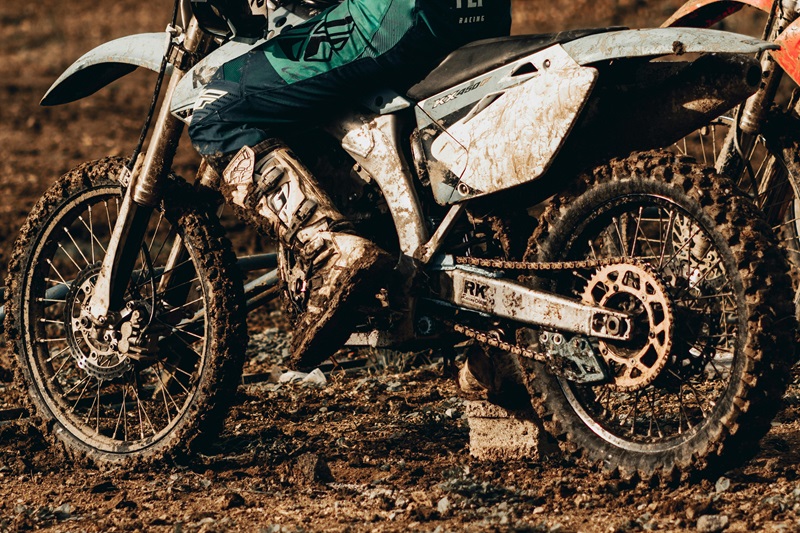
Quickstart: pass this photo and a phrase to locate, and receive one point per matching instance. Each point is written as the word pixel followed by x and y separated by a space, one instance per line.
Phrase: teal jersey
pixel 357 29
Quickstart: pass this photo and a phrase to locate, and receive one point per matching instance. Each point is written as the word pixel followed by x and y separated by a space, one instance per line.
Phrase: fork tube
pixel 141 197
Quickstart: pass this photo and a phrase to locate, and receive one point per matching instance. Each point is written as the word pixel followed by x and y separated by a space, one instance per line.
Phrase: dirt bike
pixel 757 145
pixel 648 303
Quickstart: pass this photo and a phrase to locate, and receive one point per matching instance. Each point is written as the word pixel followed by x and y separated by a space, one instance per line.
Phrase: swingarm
pixel 484 291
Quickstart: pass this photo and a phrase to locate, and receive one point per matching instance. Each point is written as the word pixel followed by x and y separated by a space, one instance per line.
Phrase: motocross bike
pixel 757 145
pixel 649 303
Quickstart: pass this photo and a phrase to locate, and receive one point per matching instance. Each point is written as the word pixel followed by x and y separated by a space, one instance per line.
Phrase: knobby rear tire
pixel 764 343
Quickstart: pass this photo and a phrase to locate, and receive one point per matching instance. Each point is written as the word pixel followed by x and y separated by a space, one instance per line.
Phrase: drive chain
pixel 489 340
pixel 542 267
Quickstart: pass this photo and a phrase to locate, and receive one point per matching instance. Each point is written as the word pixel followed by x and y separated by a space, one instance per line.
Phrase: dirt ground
pixel 378 450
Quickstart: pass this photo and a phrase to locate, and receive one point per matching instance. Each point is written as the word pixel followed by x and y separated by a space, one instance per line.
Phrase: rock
pixel 401 502
pixel 315 377
pixel 394 386
pixel 712 523
pixel 443 506
pixel 20 509
pixel 775 502
pixel 496 434
pixel 722 484
pixel 62 512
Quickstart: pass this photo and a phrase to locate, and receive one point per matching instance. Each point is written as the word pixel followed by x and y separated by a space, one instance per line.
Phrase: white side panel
pixel 516 137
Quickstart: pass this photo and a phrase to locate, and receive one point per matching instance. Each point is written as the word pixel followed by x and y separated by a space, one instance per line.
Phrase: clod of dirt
pixel 232 500
pixel 310 469
pixel 700 508
pixel 712 523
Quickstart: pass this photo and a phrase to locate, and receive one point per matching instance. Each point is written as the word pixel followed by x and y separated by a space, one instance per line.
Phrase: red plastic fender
pixel 706 13
pixel 788 57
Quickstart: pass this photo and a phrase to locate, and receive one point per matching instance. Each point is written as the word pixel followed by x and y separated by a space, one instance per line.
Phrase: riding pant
pixel 308 71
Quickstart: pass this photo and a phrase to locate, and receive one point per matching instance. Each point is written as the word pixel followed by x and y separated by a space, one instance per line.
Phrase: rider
pixel 288 82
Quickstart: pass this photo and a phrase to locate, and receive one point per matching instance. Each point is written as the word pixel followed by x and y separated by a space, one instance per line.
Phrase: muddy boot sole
pixel 333 327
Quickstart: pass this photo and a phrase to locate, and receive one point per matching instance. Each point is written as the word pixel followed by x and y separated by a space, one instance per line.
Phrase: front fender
pixel 706 13
pixel 788 57
pixel 659 42
pixel 107 63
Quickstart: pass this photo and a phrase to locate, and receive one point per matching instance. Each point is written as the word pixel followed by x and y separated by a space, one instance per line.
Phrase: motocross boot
pixel 325 267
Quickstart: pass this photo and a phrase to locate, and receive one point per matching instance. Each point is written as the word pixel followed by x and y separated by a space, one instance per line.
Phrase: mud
pixel 382 450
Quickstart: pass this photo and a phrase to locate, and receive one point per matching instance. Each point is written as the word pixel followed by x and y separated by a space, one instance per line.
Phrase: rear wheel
pixel 159 377
pixel 708 287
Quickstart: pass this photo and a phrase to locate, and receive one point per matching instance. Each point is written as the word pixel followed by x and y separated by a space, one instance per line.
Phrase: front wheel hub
pixel 93 347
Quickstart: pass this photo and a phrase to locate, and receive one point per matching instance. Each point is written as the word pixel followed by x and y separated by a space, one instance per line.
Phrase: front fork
pixel 141 197
pixel 753 112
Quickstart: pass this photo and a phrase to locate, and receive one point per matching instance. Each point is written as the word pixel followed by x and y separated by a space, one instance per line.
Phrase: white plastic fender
pixel 114 59
pixel 661 41
pixel 106 63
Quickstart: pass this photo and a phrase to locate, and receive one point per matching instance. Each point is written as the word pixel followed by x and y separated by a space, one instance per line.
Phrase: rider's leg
pixel 295 80
pixel 326 267
pixel 254 98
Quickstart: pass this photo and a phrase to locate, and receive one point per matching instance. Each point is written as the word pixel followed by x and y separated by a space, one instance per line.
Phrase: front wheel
pixel 708 288
pixel 158 377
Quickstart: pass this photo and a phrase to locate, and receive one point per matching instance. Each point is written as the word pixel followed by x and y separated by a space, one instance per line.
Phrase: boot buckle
pixel 299 218
pixel 268 181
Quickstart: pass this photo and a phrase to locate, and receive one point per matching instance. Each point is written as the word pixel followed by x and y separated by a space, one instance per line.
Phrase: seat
pixel 478 57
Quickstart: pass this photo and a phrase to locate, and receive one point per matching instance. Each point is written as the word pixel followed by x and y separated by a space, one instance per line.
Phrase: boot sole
pixel 339 320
